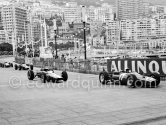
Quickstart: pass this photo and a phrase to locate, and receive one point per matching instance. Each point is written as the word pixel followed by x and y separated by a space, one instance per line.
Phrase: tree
pixel 6 47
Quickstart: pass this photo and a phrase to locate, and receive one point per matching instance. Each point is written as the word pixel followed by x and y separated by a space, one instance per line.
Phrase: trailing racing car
pixel 131 79
pixel 23 66
pixel 47 75
pixel 6 64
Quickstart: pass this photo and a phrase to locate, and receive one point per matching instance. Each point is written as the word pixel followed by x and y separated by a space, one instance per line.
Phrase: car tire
pixel 30 75
pixel 15 67
pixel 103 77
pixel 131 81
pixel 43 78
pixel 31 67
pixel 123 79
pixel 20 67
pixel 157 77
pixel 11 64
pixel 48 78
pixel 64 76
pixel 53 80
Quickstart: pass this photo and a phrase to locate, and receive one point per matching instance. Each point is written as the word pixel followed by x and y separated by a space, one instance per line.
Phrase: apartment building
pixel 72 12
pixel 14 20
pixel 1 25
pixel 136 29
pixel 2 36
pixel 131 9
pixel 104 13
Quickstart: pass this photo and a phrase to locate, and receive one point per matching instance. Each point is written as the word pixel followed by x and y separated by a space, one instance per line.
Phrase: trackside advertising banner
pixel 142 66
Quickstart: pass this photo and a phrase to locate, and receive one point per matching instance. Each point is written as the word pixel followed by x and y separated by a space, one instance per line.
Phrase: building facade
pixel 1 25
pixel 130 9
pixel 72 12
pixel 2 36
pixel 14 19
pixel 136 29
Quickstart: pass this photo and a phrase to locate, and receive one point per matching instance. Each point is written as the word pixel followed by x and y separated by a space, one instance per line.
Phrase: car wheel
pixel 31 67
pixel 123 79
pixel 43 78
pixel 30 75
pixel 20 67
pixel 16 67
pixel 53 80
pixel 130 81
pixel 157 77
pixel 103 77
pixel 48 78
pixel 11 64
pixel 64 76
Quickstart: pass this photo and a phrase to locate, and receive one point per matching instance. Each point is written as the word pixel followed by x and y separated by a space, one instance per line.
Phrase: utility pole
pixel 84 27
pixel 55 31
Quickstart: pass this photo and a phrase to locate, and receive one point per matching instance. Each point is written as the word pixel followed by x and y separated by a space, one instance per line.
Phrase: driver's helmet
pixel 127 70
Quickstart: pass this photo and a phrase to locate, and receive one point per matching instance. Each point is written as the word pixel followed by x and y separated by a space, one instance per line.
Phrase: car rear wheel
pixel 11 64
pixel 31 67
pixel 48 78
pixel 20 67
pixel 103 77
pixel 53 80
pixel 3 65
pixel 15 67
pixel 30 75
pixel 64 76
pixel 157 77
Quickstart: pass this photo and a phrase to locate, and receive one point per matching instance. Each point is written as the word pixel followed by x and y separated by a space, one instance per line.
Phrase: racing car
pixel 47 75
pixel 6 64
pixel 22 66
pixel 129 78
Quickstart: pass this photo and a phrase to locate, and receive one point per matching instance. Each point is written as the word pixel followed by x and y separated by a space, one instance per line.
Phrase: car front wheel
pixel 43 78
pixel 64 76
pixel 103 77
pixel 157 77
pixel 131 81
pixel 30 75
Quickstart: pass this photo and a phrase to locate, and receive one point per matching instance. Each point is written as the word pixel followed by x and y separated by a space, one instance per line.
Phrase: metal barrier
pixel 90 67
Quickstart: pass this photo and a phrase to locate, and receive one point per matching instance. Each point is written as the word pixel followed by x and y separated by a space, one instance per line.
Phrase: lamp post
pixel 56 55
pixel 84 27
pixel 55 31
pixel 84 40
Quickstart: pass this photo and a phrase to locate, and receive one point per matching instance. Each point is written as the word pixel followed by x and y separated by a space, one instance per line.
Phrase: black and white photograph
pixel 82 62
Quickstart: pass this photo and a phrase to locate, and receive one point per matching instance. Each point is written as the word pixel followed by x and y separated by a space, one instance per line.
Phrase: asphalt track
pixel 82 100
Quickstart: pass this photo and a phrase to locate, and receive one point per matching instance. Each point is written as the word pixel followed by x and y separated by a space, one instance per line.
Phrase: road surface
pixel 82 100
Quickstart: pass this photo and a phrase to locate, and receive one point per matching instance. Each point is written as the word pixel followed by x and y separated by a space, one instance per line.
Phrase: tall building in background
pixel 72 12
pixel 104 13
pixel 14 19
pixel 1 26
pixel 130 9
